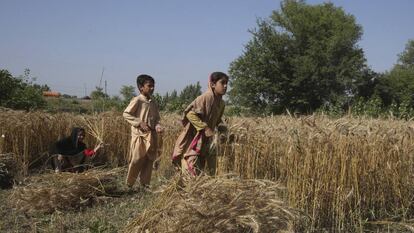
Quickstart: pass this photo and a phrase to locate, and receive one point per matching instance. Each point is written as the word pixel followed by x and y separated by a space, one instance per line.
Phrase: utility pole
pixel 100 81
pixel 106 94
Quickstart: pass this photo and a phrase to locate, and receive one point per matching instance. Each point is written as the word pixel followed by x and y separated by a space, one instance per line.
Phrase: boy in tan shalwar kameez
pixel 143 115
pixel 201 117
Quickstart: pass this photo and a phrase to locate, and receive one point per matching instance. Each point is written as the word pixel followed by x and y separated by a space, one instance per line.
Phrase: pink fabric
pixel 194 150
pixel 196 143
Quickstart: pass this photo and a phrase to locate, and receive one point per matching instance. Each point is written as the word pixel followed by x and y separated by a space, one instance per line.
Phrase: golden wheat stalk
pixel 221 204
pixel 96 127
pixel 64 191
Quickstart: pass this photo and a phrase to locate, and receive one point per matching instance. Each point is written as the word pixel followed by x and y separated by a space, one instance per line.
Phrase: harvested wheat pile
pixel 222 204
pixel 64 191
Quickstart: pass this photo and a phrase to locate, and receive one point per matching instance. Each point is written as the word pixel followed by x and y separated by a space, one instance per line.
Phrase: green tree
pixel 189 93
pixel 366 85
pixel 8 84
pixel 27 97
pixel 396 87
pixel 172 101
pixel 301 58
pixel 20 92
pixel 127 92
pixel 42 88
pixel 406 58
pixel 100 100
pixel 173 95
pixel 98 94
pixel 159 99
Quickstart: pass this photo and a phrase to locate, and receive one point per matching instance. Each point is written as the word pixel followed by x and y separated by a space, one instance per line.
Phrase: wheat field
pixel 346 174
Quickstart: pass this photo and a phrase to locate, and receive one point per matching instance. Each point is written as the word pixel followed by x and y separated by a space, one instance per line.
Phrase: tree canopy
pixel 397 85
pixel 20 92
pixel 302 57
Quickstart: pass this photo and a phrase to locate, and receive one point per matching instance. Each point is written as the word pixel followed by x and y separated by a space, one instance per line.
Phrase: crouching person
pixel 69 154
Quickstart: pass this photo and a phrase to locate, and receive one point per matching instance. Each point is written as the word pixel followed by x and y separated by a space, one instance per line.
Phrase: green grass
pixel 68 105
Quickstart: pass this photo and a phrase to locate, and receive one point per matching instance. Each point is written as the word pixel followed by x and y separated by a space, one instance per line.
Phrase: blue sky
pixel 66 44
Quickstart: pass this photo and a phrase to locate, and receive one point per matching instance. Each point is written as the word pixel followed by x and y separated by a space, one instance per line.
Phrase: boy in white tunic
pixel 143 115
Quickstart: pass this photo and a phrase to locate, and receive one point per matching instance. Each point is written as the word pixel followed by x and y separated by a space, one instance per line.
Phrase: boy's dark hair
pixel 215 76
pixel 143 78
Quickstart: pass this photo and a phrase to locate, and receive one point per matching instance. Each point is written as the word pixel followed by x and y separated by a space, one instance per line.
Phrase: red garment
pixel 89 152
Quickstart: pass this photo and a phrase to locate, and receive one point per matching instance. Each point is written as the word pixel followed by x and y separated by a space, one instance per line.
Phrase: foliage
pixel 172 102
pixel 127 92
pixel 21 92
pixel 304 56
pixel 108 104
pixel 371 107
pixel 189 93
pixel 406 58
pixel 401 84
pixel 27 97
pixel 7 86
pixel 98 94
pixel 56 105
pixel 396 87
pixel 160 100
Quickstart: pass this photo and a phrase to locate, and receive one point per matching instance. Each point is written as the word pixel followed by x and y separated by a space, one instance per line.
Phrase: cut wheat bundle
pixel 64 191
pixel 222 204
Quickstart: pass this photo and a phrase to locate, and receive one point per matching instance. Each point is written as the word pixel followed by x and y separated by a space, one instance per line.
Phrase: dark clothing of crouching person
pixel 69 154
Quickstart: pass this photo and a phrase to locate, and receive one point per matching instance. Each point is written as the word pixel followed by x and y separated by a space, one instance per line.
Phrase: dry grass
pixel 346 174
pixel 220 204
pixel 104 213
pixel 95 126
pixel 63 191
pixel 27 136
